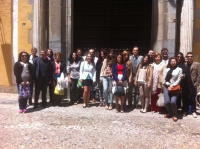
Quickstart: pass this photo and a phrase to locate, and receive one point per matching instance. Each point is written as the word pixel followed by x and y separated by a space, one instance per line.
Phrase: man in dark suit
pixel 43 76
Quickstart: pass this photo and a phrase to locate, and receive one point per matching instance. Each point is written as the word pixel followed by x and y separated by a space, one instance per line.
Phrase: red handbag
pixel 175 89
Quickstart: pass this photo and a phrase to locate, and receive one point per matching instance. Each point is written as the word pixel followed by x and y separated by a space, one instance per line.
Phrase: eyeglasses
pixel 179 57
pixel 24 55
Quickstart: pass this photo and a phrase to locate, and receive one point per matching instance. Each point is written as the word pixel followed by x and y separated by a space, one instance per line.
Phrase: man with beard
pixel 165 57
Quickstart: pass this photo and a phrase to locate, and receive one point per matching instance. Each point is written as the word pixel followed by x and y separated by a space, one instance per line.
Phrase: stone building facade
pixel 64 25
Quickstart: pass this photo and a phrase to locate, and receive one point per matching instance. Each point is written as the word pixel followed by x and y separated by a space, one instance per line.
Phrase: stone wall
pixel 6 42
pixel 164 25
pixel 196 37
pixel 24 25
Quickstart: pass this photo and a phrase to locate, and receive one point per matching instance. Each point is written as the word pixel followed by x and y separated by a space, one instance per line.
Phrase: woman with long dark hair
pixel 119 72
pixel 50 58
pixel 143 79
pixel 172 78
pixel 129 66
pixel 102 56
pixel 181 64
pixel 87 77
pixel 73 68
pixel 23 71
pixel 106 78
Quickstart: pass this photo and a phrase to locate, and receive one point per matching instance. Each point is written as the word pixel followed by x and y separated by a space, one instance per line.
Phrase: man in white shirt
pixel 136 60
pixel 165 57
pixel 33 55
pixel 31 59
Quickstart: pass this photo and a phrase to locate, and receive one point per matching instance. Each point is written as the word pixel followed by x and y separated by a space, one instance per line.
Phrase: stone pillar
pixel 164 25
pixel 66 31
pixel 55 25
pixel 187 22
pixel 14 36
pixel 40 30
pixel 36 36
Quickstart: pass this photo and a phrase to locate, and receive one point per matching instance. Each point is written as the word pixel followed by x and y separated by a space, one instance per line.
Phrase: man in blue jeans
pixel 193 81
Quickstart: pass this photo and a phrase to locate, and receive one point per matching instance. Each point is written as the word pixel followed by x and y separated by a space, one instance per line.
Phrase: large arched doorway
pixel 118 24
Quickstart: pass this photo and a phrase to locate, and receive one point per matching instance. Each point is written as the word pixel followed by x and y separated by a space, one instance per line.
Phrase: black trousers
pixel 56 99
pixel 51 90
pixel 189 98
pixel 74 90
pixel 22 103
pixel 31 96
pixel 41 85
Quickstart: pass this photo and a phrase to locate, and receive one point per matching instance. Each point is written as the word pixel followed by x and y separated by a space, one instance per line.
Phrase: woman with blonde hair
pixel 87 77
pixel 129 73
pixel 158 72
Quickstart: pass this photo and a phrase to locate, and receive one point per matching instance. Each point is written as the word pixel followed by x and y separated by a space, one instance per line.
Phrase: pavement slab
pixel 75 127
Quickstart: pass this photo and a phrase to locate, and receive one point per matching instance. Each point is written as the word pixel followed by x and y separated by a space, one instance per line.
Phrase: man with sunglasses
pixel 193 82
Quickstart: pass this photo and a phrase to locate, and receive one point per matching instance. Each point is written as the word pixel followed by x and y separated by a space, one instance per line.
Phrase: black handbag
pixel 119 91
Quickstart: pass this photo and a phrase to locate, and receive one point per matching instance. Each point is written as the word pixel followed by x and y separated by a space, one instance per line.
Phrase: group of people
pixel 110 73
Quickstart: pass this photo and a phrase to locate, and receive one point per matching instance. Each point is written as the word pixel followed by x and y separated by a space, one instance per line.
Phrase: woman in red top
pixel 119 72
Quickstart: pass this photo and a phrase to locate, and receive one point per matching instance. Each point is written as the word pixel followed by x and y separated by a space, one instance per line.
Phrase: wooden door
pixel 118 24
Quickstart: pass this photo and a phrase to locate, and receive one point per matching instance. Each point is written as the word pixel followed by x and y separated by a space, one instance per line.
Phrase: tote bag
pixel 24 91
pixel 118 90
pixel 142 75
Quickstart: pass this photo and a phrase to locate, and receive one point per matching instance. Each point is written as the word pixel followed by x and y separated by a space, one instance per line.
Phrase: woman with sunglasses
pixel 23 71
pixel 183 84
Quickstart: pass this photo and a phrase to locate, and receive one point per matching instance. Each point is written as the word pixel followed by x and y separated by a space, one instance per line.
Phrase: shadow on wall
pixel 5 54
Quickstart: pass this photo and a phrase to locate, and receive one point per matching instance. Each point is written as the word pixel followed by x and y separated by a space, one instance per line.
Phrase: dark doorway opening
pixel 118 24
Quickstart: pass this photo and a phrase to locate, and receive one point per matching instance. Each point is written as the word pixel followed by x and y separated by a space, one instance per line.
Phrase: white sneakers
pixel 194 114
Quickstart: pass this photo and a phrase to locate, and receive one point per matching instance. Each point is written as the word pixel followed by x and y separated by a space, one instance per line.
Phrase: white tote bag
pixel 142 75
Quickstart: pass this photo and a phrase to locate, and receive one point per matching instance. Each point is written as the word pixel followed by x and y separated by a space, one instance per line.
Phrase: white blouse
pixel 87 69
pixel 176 76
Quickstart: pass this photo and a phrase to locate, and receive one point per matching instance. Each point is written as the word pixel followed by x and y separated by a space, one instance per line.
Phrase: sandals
pixel 167 115
pixel 175 119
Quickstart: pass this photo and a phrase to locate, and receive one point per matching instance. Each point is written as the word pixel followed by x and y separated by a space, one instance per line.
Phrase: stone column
pixel 40 30
pixel 164 25
pixel 187 22
pixel 67 31
pixel 36 38
pixel 14 36
pixel 55 25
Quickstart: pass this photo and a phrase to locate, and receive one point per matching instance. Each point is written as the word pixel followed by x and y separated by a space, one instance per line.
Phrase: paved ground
pixel 72 127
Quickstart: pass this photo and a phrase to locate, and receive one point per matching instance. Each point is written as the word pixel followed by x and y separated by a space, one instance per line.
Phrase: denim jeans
pixel 170 102
pixel 107 87
pixel 190 94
